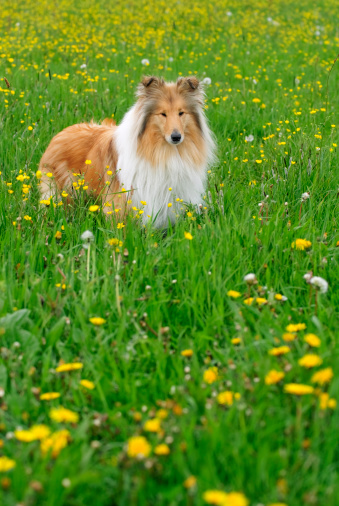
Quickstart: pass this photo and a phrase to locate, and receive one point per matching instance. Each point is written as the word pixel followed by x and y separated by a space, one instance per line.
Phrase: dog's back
pixel 68 152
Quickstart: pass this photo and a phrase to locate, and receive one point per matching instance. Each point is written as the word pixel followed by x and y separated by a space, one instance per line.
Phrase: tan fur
pixel 68 151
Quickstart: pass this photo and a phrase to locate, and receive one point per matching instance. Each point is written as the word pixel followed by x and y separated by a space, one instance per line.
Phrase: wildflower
pixel 120 225
pixel 298 389
pixel 6 464
pixel 190 482
pixel 305 196
pixel 27 218
pixel 211 375
pixel 248 301
pixel 225 398
pixel 38 174
pixel 97 320
pixel 207 81
pixel 312 340
pixel 307 277
pixel 280 297
pixel 162 449
pixel 93 209
pixel 62 414
pixel 187 353
pixel 249 138
pixel 280 350
pixel 88 162
pixel 236 340
pixel 138 447
pixel 273 377
pixel 55 443
pixel 58 235
pixel 169 204
pixel 215 497
pixel 250 279
pixel 233 294
pixel 87 384
pixel 145 62
pixel 310 360
pixel 319 283
pixel 218 497
pixel 152 425
pixel 74 366
pixel 87 237
pixel 188 236
pixel 288 337
pixel 326 402
pixel 323 376
pixel 49 396
pixel 261 301
pixel 295 327
pixel 301 244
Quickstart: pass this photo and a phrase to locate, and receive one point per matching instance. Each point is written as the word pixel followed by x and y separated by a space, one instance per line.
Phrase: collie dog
pixel 154 161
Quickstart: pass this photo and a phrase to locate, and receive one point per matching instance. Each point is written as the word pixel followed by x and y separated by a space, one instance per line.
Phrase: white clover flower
pixel 207 81
pixel 251 278
pixel 145 62
pixel 305 196
pixel 170 59
pixel 319 283
pixel 83 66
pixel 254 81
pixel 87 237
pixel 229 14
pixel 249 138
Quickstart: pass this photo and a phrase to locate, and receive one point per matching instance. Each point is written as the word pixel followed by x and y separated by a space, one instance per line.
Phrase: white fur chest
pixel 151 184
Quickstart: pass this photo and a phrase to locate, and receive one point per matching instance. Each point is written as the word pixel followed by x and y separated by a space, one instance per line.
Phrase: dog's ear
pixel 190 84
pixel 149 84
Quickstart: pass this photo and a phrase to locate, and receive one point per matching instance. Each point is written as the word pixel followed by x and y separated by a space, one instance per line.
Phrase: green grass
pixel 270 445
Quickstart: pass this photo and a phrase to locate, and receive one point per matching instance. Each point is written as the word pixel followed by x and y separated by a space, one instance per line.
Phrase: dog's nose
pixel 175 137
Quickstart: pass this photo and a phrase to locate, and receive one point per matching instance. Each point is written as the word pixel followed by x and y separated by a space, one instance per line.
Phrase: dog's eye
pixel 181 113
pixel 163 114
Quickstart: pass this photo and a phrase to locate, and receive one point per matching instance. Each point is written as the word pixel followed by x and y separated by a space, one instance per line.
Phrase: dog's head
pixel 170 111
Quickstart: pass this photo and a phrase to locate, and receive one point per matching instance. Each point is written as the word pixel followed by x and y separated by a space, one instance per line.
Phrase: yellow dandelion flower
pixel 295 327
pixel 88 162
pixel 236 340
pixel 273 377
pixel 301 244
pixel 120 225
pixel 97 320
pixel 248 301
pixel 279 350
pixel 312 340
pixel 261 301
pixel 298 389
pixel 93 209
pixel 188 236
pixel 323 376
pixel 190 482
pixel 138 447
pixel 162 414
pixel 62 414
pixel 49 396
pixel 58 235
pixel 225 398
pixel 187 353
pixel 87 384
pixel 325 401
pixel 234 294
pixel 210 375
pixel 6 464
pixel 55 443
pixel 169 204
pixel 69 367
pixel 38 174
pixel 152 425
pixel 310 360
pixel 162 449
pixel 288 337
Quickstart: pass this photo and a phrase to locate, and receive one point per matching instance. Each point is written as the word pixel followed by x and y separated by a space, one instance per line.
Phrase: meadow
pixel 139 367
